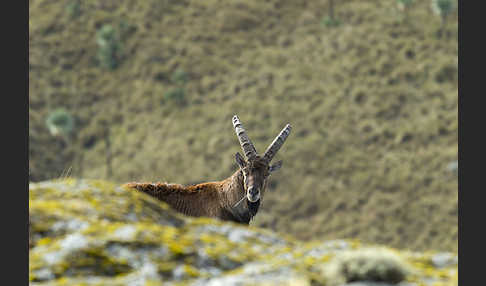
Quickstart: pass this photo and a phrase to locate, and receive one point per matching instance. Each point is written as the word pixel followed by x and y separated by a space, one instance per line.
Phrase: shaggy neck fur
pixel 213 199
pixel 234 193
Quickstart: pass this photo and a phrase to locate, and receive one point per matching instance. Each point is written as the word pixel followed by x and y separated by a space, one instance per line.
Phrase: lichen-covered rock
pixel 97 233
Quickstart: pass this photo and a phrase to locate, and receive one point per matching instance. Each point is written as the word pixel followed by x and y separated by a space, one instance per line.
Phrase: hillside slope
pixel 372 102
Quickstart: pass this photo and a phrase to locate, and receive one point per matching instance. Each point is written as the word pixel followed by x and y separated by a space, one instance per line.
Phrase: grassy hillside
pixel 372 102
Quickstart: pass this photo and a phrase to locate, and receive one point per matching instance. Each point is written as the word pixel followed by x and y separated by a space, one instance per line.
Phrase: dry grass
pixel 372 102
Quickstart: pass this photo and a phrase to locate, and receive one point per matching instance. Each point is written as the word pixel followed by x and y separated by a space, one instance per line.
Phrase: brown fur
pixel 212 199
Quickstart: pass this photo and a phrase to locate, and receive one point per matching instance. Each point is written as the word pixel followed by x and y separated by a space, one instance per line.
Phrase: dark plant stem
pixel 109 170
pixel 331 10
pixel 80 164
pixel 442 26
pixel 406 13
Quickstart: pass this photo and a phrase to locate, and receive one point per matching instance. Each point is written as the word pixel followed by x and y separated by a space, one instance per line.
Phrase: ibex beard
pixel 224 199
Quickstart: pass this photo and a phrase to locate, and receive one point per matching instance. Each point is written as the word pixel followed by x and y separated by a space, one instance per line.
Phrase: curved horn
pixel 248 148
pixel 277 143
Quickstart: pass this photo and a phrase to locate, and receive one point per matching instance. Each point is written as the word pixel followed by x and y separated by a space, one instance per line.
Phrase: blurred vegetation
pixel 372 102
pixel 178 93
pixel 73 8
pixel 368 264
pixel 331 20
pixel 443 8
pixel 60 123
pixel 109 47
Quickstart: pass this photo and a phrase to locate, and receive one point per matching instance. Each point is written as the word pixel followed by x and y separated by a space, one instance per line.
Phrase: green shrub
pixel 405 3
pixel 60 122
pixel 443 8
pixel 180 77
pixel 176 94
pixel 329 22
pixel 73 8
pixel 369 264
pixel 109 47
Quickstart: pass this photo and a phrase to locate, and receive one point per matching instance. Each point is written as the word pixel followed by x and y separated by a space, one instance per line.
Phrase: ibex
pixel 224 199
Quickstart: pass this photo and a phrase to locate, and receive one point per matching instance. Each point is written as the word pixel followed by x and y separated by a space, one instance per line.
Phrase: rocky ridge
pixel 93 232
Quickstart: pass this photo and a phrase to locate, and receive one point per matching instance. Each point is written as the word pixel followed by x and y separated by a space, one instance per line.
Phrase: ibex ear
pixel 275 166
pixel 239 160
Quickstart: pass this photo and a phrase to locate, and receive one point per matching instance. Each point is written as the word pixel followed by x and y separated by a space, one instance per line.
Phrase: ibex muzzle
pixel 256 169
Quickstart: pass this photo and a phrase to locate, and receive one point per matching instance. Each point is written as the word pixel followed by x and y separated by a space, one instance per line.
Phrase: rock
pixel 371 283
pixel 443 259
pixel 368 264
pixel 97 233
pixel 453 167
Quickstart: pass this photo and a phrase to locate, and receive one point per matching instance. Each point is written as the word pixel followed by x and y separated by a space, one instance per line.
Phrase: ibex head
pixel 256 169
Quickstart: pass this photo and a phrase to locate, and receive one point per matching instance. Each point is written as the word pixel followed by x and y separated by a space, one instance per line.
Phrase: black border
pixel 467 213
pixel 15 142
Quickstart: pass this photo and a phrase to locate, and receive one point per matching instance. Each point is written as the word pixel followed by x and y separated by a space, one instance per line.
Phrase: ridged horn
pixel 277 143
pixel 245 142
